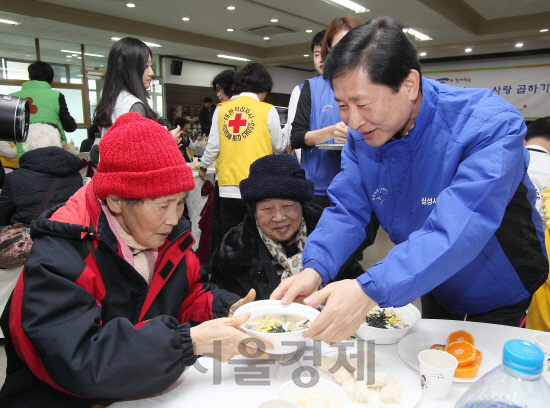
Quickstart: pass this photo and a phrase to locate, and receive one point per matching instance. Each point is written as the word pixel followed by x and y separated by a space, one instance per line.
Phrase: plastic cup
pixel 543 341
pixel 437 369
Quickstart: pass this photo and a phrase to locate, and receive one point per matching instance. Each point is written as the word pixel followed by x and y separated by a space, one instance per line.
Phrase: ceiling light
pixel 274 20
pixel 232 57
pixel 69 60
pixel 309 31
pixel 131 5
pixel 185 18
pixel 422 54
pixel 9 22
pixel 306 55
pixel 115 38
pixel 231 7
pixel 519 45
pixel 468 50
pixel 78 57
pixel 266 38
pixel 417 34
pixel 69 56
pixel 77 53
pixel 229 29
pixel 348 4
pixel 544 30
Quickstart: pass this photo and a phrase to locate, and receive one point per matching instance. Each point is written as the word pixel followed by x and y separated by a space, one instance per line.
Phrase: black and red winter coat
pixel 83 329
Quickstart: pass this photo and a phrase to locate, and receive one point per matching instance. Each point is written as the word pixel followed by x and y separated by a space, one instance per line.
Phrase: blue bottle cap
pixel 523 357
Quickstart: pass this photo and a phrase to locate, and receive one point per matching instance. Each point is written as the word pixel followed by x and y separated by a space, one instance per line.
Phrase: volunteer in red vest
pixel 243 129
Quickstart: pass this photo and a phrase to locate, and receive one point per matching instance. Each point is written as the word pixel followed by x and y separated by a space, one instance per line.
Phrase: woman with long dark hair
pixel 129 75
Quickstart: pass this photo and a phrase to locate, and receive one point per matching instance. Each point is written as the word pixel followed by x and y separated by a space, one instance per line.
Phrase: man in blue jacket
pixel 443 169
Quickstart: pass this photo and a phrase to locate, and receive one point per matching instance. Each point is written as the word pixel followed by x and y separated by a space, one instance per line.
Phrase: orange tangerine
pixel 461 335
pixel 467 371
pixel 479 357
pixel 464 352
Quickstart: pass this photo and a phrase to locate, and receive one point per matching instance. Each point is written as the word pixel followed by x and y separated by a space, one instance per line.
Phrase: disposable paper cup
pixel 437 369
pixel 543 341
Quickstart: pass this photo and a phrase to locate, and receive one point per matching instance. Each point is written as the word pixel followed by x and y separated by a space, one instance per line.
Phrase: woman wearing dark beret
pixel 267 246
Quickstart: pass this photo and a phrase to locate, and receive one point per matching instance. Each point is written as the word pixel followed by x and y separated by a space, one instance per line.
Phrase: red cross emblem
pixel 237 123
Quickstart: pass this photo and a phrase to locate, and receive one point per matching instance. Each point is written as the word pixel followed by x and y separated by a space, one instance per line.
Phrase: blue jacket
pixel 321 165
pixel 455 198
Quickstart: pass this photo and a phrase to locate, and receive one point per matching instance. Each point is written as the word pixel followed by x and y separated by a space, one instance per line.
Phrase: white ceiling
pixel 487 26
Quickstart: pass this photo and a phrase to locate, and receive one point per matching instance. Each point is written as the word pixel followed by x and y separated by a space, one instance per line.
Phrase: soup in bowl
pixel 276 323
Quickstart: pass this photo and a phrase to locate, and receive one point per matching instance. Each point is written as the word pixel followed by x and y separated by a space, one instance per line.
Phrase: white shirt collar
pixel 537 147
pixel 250 94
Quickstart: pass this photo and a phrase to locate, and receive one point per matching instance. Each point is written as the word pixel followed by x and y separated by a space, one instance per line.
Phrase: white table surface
pixel 196 389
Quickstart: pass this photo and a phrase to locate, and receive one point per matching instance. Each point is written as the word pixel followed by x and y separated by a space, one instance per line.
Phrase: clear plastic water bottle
pixel 516 383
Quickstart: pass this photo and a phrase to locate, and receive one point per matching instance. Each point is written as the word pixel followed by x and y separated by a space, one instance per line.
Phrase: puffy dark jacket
pixel 86 326
pixel 242 261
pixel 2 176
pixel 25 187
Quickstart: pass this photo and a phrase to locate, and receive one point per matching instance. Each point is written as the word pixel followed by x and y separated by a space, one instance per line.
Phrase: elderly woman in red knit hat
pixel 112 302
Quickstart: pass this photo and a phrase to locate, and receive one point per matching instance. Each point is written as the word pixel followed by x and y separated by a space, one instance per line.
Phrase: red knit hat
pixel 140 159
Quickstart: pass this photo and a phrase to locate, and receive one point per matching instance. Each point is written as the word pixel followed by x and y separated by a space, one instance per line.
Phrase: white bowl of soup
pixel 276 323
pixel 388 325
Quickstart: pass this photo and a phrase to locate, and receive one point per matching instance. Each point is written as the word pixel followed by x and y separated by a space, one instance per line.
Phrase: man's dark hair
pixel 252 77
pixel 208 99
pixel 41 71
pixel 225 81
pixel 539 128
pixel 379 48
pixel 317 39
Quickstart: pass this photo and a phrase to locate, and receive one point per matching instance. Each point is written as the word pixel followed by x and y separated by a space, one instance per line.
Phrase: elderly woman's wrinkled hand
pixel 221 339
pixel 297 287
pixel 345 309
pixel 249 298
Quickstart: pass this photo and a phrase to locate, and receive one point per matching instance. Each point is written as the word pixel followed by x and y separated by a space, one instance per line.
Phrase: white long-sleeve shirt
pixel 279 142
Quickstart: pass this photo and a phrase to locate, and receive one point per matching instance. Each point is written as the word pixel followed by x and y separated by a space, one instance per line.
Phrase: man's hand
pixel 226 331
pixel 297 287
pixel 249 298
pixel 345 310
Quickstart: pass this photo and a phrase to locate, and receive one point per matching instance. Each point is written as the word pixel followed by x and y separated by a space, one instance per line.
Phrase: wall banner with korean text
pixel 526 86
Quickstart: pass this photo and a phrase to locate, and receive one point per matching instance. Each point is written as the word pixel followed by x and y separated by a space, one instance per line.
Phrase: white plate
pixel 330 146
pixel 409 347
pixel 409 382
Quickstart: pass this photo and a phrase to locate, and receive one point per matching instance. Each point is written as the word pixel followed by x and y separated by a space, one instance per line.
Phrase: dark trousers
pixel 216 223
pixel 508 315
pixel 232 212
pixel 321 201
